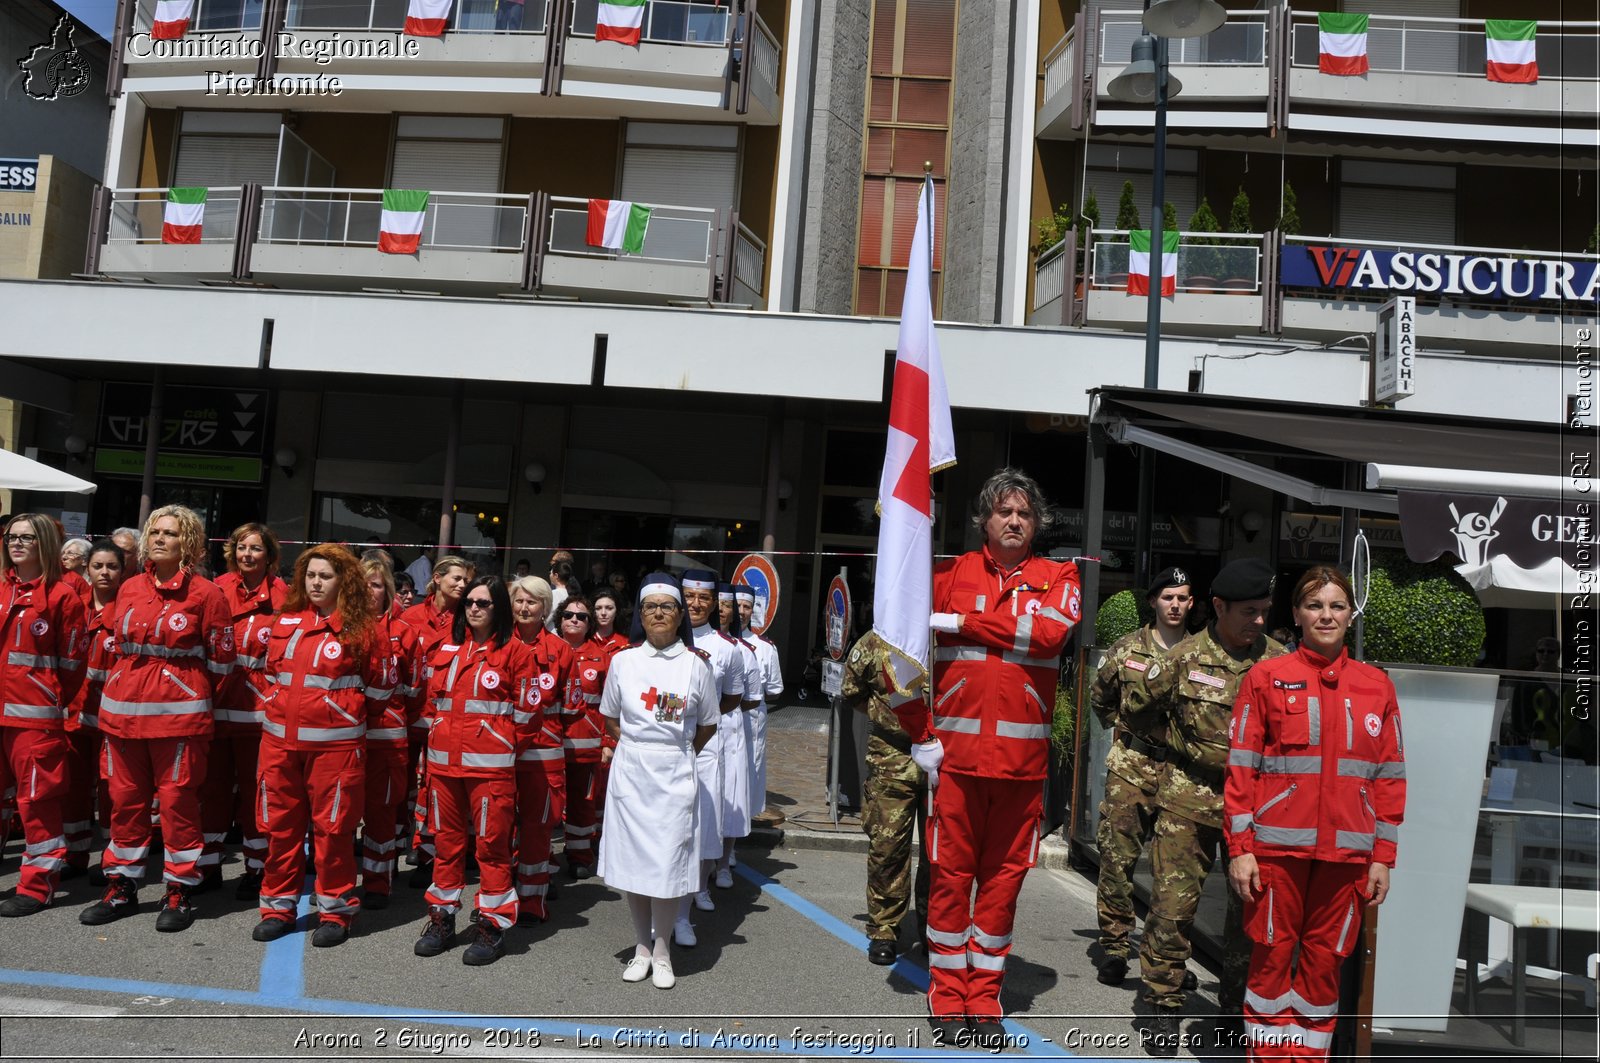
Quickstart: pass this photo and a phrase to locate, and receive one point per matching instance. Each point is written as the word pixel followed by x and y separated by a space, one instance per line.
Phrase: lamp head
pixel 1137 82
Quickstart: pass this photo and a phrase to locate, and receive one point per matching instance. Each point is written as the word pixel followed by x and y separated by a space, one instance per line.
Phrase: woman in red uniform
pixel 43 628
pixel 607 606
pixel 388 765
pixel 542 767
pixel 485 703
pixel 1315 793
pixel 174 653
pixel 584 733
pixel 431 618
pixel 331 675
pixel 254 592
pixel 107 564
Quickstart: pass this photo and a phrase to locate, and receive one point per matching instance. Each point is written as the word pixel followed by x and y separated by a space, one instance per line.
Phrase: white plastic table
pixel 1527 908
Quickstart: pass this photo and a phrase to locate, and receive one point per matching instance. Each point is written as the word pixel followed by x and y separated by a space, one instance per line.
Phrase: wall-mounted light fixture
pixel 77 446
pixel 1251 523
pixel 534 473
pixel 785 492
pixel 286 459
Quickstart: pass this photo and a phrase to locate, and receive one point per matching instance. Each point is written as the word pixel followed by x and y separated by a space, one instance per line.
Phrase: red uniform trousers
pixel 1289 1013
pixel 87 796
pixel 388 778
pixel 318 788
pixel 167 771
pixel 541 804
pixel 585 792
pixel 228 796
pixel 481 805
pixel 421 838
pixel 35 762
pixel 983 830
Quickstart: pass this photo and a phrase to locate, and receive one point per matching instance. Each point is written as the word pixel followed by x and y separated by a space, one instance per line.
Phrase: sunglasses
pixel 570 615
pixel 480 603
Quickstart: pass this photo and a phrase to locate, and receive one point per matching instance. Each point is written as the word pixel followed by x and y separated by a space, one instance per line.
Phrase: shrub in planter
pixel 1063 722
pixel 1421 614
pixel 1127 210
pixel 1204 261
pixel 1118 615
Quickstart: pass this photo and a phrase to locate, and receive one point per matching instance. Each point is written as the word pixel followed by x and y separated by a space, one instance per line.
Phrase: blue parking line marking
pixel 848 934
pixel 283 974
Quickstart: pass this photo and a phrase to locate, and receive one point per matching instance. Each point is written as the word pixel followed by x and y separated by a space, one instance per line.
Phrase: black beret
pixel 1167 577
pixel 1243 580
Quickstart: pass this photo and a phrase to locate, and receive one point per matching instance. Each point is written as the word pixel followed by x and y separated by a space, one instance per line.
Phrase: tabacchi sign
pixel 1367 269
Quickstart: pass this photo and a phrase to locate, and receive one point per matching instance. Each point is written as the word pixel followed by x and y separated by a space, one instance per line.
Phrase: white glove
pixel 928 756
pixel 949 623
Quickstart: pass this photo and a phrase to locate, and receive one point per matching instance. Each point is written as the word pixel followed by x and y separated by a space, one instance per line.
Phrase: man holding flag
pixel 1003 616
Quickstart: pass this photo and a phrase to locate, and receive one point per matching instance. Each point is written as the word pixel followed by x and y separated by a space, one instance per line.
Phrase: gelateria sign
pixel 1369 269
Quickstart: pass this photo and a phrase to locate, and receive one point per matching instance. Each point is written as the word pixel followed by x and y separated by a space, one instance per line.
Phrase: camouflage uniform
pixel 1128 813
pixel 1195 686
pixel 895 805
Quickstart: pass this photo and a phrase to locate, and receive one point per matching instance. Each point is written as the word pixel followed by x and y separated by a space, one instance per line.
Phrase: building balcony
pixel 691 60
pixel 1482 301
pixel 485 244
pixel 1260 71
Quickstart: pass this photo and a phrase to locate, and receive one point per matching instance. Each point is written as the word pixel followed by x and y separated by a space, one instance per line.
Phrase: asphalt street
pixel 780 970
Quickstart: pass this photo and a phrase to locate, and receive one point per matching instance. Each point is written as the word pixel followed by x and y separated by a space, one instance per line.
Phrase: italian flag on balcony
pixel 617 224
pixel 1511 50
pixel 184 216
pixel 1341 43
pixel 620 21
pixel 400 230
pixel 427 18
pixel 172 19
pixel 1139 262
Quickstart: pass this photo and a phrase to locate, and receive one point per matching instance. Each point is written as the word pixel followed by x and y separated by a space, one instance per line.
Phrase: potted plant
pixel 1127 219
pixel 1421 614
pixel 1204 261
pixel 1239 221
pixel 1289 216
pixel 1118 615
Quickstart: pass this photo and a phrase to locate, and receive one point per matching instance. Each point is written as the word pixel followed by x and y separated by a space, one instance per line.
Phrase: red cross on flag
pixel 920 443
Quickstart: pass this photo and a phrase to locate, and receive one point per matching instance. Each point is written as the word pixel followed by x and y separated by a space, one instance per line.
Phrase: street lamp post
pixel 1148 80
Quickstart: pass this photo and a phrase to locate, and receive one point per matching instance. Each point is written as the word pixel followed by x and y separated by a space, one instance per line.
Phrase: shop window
pixel 406 526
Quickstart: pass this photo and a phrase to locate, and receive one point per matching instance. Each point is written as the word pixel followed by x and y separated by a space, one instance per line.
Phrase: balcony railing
pixel 210 16
pixel 466 16
pixel 749 260
pixel 350 217
pixel 764 58
pixel 1240 41
pixel 675 234
pixel 1050 275
pixel 1233 264
pixel 666 22
pixel 1566 51
pixel 136 215
pixel 1058 65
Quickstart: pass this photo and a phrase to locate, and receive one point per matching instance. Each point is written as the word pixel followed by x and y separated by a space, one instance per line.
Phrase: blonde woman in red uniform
pixel 1315 793
pixel 485 703
pixel 584 733
pixel 431 618
pixel 43 627
pixel 388 763
pixel 254 592
pixel 331 677
pixel 175 651
pixel 542 767
pixel 89 800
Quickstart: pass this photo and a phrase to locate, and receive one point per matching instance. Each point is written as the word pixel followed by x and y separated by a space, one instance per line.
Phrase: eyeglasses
pixel 658 607
pixel 22 539
pixel 480 603
pixel 570 615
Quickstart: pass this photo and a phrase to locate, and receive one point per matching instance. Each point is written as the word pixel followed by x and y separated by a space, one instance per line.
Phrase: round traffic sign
pixel 756 571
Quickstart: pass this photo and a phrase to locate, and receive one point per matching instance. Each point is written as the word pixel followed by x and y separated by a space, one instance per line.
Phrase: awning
pixel 24 474
pixel 1541 543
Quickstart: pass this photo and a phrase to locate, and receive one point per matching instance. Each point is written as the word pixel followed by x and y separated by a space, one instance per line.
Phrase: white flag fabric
pixel 920 443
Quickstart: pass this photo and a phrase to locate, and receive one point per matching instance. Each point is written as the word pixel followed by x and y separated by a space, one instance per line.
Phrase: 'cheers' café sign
pixel 1370 269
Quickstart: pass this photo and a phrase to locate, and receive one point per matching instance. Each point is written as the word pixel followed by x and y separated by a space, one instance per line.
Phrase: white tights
pixel 652 922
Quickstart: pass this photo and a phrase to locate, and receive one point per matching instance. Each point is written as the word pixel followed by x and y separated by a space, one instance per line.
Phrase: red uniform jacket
pixel 994 683
pixel 1316 767
pixel 484 702
pixel 44 632
pixel 76 582
pixel 85 708
pixel 612 644
pixel 553 662
pixel 174 652
pixel 431 624
pixel 405 707
pixel 239 709
pixel 324 693
pixel 585 728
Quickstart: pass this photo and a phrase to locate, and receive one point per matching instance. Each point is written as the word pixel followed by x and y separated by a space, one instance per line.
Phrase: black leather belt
pixel 1139 745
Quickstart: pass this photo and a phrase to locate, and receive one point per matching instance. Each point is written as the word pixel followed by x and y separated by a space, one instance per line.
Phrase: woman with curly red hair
pixel 331 673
